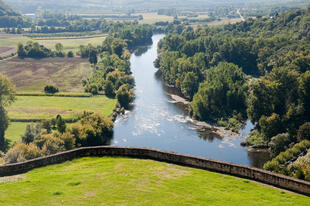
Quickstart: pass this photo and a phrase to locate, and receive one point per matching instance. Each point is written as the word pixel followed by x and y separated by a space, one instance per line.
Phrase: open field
pixel 8 43
pixel 224 21
pixel 34 74
pixel 15 130
pixel 71 43
pixel 124 181
pixel 43 107
pixel 151 18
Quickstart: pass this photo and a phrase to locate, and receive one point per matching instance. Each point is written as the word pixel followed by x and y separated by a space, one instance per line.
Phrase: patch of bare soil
pixel 13 178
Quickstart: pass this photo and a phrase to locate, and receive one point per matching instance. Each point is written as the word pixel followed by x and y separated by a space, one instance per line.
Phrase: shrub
pixel 50 89
pixel 304 132
pixel 52 144
pixel 21 152
pixel 68 139
pixel 279 143
pixel 70 54
pixel 32 132
pixel 93 130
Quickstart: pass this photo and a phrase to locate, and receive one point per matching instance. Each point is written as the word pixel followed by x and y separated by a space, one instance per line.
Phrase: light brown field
pixel 151 18
pixel 34 74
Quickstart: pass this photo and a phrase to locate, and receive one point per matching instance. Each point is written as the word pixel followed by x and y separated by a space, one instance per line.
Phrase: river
pixel 156 121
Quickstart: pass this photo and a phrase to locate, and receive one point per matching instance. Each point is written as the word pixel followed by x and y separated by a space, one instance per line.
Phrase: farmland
pixel 8 42
pixel 47 107
pixel 124 181
pixel 34 74
pixel 30 76
pixel 71 43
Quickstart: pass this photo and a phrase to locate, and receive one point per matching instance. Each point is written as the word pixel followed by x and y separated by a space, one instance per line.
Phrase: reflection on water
pixel 156 121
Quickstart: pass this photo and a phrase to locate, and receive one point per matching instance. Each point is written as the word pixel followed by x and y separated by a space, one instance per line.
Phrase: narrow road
pixel 242 18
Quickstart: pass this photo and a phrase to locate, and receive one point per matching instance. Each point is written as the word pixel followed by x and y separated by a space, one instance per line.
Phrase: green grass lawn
pixel 43 107
pixel 15 130
pixel 124 181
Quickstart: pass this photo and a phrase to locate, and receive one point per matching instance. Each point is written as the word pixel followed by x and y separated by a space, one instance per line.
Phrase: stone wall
pixel 251 173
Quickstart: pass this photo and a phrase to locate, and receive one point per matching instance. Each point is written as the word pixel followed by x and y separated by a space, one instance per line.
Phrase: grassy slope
pixel 124 181
pixel 42 107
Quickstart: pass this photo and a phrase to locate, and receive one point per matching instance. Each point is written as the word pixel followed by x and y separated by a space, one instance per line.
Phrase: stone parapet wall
pixel 251 173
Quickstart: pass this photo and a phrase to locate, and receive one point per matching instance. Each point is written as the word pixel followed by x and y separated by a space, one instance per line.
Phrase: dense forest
pixel 257 69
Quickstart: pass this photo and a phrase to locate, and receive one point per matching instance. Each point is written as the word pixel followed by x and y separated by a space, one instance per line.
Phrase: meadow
pixel 47 107
pixel 71 43
pixel 151 18
pixel 8 42
pixel 125 181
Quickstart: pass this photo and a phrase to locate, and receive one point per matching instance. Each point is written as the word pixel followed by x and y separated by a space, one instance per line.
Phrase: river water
pixel 156 121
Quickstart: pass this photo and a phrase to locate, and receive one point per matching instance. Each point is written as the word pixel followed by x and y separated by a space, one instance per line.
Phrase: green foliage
pixel 50 89
pixel 278 164
pixel 70 54
pixel 33 132
pixel 21 152
pixel 304 132
pixel 60 124
pixel 189 85
pixel 93 57
pixel 6 98
pixel 33 50
pixel 221 94
pixel 93 130
pixel 125 95
pixel 279 143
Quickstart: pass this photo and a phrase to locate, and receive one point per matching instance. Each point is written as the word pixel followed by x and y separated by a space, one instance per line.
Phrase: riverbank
pixel 204 126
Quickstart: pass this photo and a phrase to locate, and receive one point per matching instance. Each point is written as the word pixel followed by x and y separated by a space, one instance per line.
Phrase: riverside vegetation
pixel 256 69
pixel 110 76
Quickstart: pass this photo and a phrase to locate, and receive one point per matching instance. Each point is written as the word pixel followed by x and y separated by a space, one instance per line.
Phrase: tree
pixel 222 94
pixel 32 132
pixel 59 50
pixel 109 88
pixel 118 45
pixel 20 50
pixel 50 89
pixel 70 54
pixel 93 57
pixel 189 86
pixel 6 98
pixel 59 47
pixel 60 124
pixel 124 95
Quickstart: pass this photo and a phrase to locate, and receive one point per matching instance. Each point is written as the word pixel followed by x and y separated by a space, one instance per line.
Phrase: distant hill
pixel 87 6
pixel 5 10
pixel 11 18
